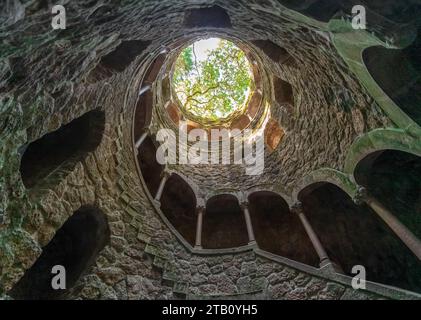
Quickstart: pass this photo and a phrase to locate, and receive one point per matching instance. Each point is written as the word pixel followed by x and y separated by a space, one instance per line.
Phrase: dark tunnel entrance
pixel 75 246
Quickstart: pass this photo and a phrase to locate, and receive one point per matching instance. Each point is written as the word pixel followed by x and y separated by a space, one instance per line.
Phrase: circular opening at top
pixel 213 80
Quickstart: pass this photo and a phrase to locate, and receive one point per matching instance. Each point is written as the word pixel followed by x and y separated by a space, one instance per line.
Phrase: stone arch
pixel 355 235
pixel 269 189
pixel 380 139
pixel 223 223
pixel 178 203
pixel 325 175
pixel 278 230
pixel 46 159
pixel 75 246
pixel 215 193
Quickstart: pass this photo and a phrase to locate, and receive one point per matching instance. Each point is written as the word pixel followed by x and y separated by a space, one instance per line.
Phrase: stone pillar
pixel 141 139
pixel 250 232
pixel 407 237
pixel 200 212
pixel 297 208
pixel 165 176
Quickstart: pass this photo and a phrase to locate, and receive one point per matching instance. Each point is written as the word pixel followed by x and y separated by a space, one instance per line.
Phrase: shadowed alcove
pixel 355 235
pixel 278 230
pixel 274 52
pixel 154 69
pixel 223 223
pixel 117 60
pixel 75 246
pixel 56 153
pixel 143 114
pixel 149 166
pixel 178 203
pixel 284 94
pixel 273 134
pixel 393 178
pixel 214 17
pixel 404 87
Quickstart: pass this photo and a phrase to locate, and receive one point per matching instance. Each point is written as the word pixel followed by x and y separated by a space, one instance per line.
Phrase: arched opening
pixel 394 178
pixel 173 112
pixel 75 246
pixel 117 60
pixel 214 17
pixel 404 88
pixel 241 122
pixel 45 160
pixel 278 230
pixel 355 235
pixel 254 104
pixel 284 94
pixel 143 114
pixel 154 69
pixel 274 52
pixel 223 224
pixel 149 166
pixel 273 134
pixel 178 203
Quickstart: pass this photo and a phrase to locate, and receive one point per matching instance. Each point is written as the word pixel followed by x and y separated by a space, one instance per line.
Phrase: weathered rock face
pixel 49 78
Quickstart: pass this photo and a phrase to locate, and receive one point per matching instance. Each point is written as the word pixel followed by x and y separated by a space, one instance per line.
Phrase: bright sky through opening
pixel 203 47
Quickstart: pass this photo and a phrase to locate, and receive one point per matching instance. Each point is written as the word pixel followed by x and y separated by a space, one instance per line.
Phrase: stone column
pixel 250 232
pixel 200 212
pixel 141 139
pixel 407 237
pixel 297 208
pixel 165 176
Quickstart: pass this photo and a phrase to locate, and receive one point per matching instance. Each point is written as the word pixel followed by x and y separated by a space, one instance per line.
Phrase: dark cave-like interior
pixel 75 246
pixel 223 225
pixel 57 150
pixel 345 229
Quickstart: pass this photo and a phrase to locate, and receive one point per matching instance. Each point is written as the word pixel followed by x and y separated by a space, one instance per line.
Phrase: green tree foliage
pixel 216 87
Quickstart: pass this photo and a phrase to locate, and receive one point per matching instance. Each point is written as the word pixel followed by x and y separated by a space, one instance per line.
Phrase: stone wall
pixel 49 78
